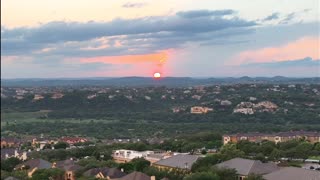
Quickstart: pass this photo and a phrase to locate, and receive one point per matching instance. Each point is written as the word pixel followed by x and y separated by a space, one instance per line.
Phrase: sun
pixel 157 75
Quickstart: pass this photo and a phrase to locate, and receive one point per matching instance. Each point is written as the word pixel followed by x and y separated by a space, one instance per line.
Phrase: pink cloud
pixel 299 49
pixel 130 65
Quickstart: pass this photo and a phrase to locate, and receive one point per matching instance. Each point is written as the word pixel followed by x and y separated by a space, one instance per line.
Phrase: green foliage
pixel 230 151
pixel 61 145
pixel 136 164
pixel 9 164
pixel 202 176
pixel 203 164
pixel 254 177
pixel 225 174
pixel 19 175
pixel 4 174
pixel 48 174
pixel 102 117
pixel 140 163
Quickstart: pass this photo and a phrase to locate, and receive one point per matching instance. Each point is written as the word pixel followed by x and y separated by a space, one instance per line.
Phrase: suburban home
pixel 69 167
pixel 180 161
pixel 136 176
pixel 34 164
pixel 12 152
pixel 73 140
pixel 312 137
pixel 38 97
pixel 11 178
pixel 200 110
pixel 9 142
pixel 244 167
pixel 57 95
pixel 104 173
pixel 41 142
pixel 123 155
pixel 293 173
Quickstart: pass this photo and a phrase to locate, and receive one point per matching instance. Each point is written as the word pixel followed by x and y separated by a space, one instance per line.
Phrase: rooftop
pixel 293 173
pixel 247 166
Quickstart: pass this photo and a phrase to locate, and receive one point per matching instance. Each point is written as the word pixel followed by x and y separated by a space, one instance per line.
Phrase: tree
pixel 202 176
pixel 43 174
pixel 9 164
pixel 254 177
pixel 140 163
pixel 224 173
pixel 230 151
pixel 260 157
pixel 303 150
pixel 204 164
pixel 275 154
pixel 61 145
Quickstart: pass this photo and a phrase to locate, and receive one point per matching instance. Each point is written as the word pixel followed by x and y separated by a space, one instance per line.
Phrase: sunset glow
pixel 157 75
pixel 44 38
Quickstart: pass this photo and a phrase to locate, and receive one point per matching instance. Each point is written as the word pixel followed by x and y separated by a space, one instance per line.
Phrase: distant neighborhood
pixel 238 131
pixel 162 160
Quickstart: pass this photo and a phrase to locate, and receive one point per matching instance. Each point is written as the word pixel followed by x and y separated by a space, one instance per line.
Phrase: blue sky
pixel 47 39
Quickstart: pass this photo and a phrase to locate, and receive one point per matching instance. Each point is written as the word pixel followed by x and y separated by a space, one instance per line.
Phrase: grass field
pixel 24 117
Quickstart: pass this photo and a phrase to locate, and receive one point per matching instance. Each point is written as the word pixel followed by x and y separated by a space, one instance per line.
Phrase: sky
pixel 180 38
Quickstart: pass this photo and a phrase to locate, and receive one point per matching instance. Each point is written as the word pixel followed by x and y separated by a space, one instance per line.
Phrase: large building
pixel 245 167
pixel 312 137
pixel 293 173
pixel 180 161
pixel 123 155
pixel 200 110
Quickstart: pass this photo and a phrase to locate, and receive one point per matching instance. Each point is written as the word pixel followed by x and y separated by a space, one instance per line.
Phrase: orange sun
pixel 157 75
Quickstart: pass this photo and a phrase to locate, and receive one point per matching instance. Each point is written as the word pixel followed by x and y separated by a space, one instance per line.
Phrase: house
pixel 200 110
pixel 197 97
pixel 136 176
pixel 244 167
pixel 73 140
pixel 69 167
pixel 251 108
pixel 91 96
pixel 293 173
pixel 57 96
pixel 104 173
pixel 123 155
pixel 180 161
pixel 157 156
pixel 12 152
pixel 41 142
pixel 11 178
pixel 9 142
pixel 34 164
pixel 225 103
pixel 312 137
pixel 38 97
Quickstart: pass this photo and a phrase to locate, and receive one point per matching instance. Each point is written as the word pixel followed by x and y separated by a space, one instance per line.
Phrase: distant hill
pixel 146 81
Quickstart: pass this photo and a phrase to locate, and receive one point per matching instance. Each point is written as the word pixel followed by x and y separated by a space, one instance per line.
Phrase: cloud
pixel 204 13
pixel 301 48
pixel 133 5
pixel 146 35
pixel 288 18
pixel 305 62
pixel 273 16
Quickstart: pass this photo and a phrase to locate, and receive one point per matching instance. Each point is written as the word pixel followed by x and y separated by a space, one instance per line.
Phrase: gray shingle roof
pixel 293 173
pixel 37 163
pixel 135 176
pixel 11 178
pixel 247 166
pixel 111 172
pixel 68 165
pixel 178 161
pixel 9 151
